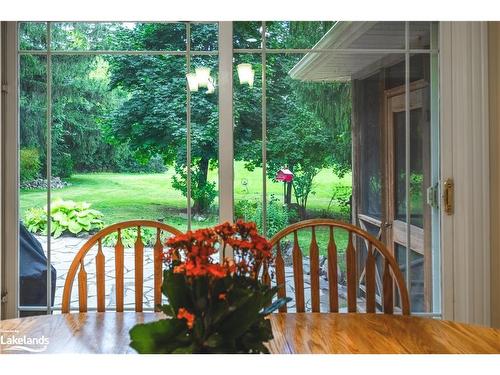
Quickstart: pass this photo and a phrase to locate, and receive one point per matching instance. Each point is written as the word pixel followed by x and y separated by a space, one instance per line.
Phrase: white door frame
pixel 464 145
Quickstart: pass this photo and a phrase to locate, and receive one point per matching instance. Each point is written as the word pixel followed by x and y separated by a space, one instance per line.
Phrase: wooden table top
pixel 293 333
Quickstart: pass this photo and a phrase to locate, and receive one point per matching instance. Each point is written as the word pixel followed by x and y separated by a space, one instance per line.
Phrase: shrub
pixel 277 216
pixel 66 216
pixel 129 236
pixel 244 209
pixel 29 164
pixel 156 165
pixel 126 162
pixel 341 196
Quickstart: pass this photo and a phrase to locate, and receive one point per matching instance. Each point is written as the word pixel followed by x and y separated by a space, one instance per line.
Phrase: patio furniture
pixel 326 333
pixel 78 265
pixel 376 255
pixel 33 271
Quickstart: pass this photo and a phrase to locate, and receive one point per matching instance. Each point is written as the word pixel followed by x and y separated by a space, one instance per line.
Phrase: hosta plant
pixel 129 237
pixel 213 307
pixel 66 216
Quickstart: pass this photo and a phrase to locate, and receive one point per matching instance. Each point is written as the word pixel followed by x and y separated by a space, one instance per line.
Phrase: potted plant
pixel 213 307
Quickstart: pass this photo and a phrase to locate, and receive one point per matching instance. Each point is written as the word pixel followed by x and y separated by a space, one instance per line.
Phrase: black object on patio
pixel 33 271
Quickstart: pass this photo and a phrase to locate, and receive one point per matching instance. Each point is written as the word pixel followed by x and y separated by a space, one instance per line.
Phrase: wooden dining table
pixel 325 333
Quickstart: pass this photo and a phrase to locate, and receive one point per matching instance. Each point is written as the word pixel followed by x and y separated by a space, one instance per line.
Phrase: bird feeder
pixel 286 176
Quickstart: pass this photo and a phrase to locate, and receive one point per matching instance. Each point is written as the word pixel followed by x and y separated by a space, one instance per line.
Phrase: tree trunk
pixel 288 195
pixel 200 204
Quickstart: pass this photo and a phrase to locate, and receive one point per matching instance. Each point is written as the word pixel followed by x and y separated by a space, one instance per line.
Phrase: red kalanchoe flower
pixel 217 271
pixel 194 251
pixel 184 314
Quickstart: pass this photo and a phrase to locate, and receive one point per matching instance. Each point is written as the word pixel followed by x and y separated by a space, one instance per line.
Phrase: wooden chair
pixel 392 275
pixel 78 265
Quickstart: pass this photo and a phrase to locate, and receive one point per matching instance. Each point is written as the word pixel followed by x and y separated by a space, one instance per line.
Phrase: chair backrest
pixel 78 265
pixel 376 253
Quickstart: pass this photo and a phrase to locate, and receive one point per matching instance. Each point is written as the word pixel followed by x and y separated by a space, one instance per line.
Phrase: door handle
pixel 448 196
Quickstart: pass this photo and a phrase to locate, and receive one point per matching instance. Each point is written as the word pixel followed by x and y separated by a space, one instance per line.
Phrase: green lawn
pixel 150 196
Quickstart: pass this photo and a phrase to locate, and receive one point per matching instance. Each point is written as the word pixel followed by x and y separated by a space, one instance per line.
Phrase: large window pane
pixel 33 182
pixel 247 34
pixel 116 139
pixel 204 145
pixel 309 134
pixel 247 110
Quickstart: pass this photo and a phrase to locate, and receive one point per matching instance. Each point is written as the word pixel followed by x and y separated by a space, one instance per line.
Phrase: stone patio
pixel 65 248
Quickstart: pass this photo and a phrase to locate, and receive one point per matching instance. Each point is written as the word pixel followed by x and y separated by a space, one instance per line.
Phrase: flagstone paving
pixel 64 249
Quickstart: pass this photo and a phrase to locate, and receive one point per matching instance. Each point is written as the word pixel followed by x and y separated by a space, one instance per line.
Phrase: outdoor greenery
pixel 66 216
pixel 150 196
pixel 126 196
pixel 29 164
pixel 114 116
pixel 277 216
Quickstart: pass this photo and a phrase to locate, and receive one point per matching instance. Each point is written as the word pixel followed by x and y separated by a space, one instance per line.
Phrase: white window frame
pixel 464 156
pixel 11 242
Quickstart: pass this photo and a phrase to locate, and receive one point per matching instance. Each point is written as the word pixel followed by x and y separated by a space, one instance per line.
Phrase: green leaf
pixel 84 221
pixel 242 318
pixel 74 227
pixel 175 289
pixel 158 337
pixel 276 305
pixel 61 217
pixel 83 213
pixel 58 231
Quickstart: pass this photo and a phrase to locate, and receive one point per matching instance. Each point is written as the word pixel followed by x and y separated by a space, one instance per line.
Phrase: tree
pixel 153 118
pixel 301 144
pixel 308 124
pixel 80 98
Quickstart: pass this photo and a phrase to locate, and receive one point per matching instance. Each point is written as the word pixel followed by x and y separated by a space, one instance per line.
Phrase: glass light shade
pixel 252 76
pixel 245 73
pixel 202 76
pixel 211 86
pixel 192 82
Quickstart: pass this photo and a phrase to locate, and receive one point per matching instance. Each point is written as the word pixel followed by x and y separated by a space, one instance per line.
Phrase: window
pixel 109 131
pixel 331 119
pixel 327 89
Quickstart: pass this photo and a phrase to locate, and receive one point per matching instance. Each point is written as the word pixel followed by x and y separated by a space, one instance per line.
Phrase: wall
pixel 464 151
pixel 494 105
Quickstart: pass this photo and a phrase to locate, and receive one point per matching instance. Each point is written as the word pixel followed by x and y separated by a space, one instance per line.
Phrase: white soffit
pixel 342 66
